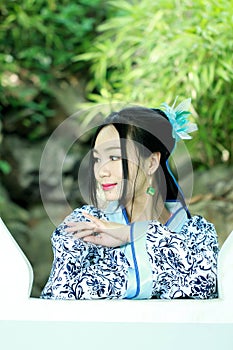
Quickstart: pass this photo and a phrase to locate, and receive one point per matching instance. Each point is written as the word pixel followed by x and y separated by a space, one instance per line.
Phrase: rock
pixel 29 178
pixel 213 198
pixel 16 219
pixel 218 181
pixel 217 212
pixel 40 254
pixel 24 158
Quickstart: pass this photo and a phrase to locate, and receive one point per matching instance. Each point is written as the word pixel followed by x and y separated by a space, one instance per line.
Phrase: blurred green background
pixel 57 57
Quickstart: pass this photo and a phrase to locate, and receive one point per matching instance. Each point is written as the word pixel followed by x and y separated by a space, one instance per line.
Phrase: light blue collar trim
pixel 116 213
pixel 178 218
pixel 175 223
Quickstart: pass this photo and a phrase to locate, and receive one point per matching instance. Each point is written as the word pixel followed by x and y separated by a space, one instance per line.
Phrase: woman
pixel 137 240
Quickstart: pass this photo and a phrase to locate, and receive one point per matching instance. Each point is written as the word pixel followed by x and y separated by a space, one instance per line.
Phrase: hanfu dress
pixel 175 260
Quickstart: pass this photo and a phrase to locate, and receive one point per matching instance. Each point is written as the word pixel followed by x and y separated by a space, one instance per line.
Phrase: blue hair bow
pixel 178 117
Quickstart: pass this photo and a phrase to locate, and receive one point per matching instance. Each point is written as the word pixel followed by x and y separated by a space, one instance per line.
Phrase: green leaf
pixel 5 167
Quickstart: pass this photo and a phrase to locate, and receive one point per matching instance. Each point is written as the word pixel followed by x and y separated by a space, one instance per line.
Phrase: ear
pixel 153 162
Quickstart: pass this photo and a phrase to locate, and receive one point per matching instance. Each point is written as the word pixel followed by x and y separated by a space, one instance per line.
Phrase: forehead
pixel 108 139
pixel 108 136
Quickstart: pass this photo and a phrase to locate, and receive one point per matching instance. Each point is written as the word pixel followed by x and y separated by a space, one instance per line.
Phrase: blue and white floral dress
pixel 176 260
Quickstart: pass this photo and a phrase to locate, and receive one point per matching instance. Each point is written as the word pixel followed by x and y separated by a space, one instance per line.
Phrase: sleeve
pixel 82 270
pixel 184 265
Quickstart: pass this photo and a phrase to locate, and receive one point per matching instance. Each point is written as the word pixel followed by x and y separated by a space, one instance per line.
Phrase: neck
pixel 144 209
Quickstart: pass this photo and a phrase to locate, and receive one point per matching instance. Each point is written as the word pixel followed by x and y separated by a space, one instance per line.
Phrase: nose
pixel 104 170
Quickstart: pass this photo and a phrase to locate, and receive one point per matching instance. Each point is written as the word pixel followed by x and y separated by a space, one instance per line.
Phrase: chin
pixel 111 198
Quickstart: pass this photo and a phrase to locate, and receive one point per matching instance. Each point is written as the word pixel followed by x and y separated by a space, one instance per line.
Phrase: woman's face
pixel 107 163
pixel 108 166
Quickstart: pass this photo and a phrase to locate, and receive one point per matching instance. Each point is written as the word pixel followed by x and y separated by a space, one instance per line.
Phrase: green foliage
pixel 5 167
pixel 38 39
pixel 150 52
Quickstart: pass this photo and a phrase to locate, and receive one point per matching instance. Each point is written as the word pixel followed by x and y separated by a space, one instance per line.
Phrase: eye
pixel 96 159
pixel 115 158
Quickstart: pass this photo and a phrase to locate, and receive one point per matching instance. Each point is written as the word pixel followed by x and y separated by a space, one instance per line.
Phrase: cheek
pixel 134 170
pixel 132 173
pixel 137 175
pixel 117 169
pixel 114 169
pixel 95 170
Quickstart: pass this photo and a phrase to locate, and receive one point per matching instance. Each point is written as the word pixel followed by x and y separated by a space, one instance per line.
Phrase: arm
pixel 172 265
pixel 83 270
pixel 184 264
pixel 100 232
pixel 112 234
pixel 70 255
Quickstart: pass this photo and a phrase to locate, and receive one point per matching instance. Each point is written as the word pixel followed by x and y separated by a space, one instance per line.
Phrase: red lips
pixel 107 187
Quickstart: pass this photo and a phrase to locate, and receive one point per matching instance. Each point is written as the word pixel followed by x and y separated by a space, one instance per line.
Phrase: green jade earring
pixel 150 190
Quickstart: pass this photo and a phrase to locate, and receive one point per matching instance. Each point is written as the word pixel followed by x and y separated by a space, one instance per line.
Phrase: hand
pixel 109 234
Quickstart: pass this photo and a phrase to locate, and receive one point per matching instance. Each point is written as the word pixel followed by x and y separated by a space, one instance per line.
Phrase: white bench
pixel 88 321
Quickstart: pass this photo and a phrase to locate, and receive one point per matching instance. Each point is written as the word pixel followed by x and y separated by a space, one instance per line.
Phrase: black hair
pixel 151 129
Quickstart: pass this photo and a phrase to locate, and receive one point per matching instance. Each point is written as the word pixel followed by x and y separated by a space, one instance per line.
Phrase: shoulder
pixel 199 230
pixel 198 225
pixel 194 224
pixel 196 229
pixel 77 214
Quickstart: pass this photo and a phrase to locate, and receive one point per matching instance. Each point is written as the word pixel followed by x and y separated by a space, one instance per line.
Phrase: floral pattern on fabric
pixel 183 264
pixel 82 270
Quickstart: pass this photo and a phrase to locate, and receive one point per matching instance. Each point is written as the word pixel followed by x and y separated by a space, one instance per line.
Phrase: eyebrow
pixel 108 149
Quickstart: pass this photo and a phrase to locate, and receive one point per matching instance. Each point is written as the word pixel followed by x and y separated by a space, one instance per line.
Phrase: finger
pixel 79 226
pixel 72 223
pixel 83 234
pixel 101 239
pixel 93 239
pixel 80 229
pixel 91 217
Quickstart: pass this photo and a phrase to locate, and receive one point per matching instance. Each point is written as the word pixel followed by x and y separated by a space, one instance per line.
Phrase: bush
pixel 150 52
pixel 38 39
